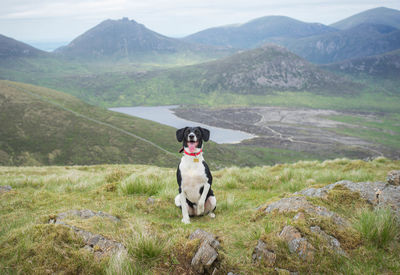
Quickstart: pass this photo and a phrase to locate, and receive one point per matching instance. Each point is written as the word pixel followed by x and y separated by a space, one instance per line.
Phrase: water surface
pixel 165 115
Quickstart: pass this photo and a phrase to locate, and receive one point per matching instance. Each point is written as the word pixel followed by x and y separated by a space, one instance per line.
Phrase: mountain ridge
pixel 257 32
pixel 12 48
pixel 381 15
pixel 124 38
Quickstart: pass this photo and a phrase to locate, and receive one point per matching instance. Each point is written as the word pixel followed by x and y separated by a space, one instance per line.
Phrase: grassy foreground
pixel 155 238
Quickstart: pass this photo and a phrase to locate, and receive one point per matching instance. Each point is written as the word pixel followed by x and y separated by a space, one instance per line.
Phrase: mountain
pixel 11 48
pixel 377 16
pixel 268 68
pixel 360 41
pixel 124 38
pixel 257 32
pixel 385 66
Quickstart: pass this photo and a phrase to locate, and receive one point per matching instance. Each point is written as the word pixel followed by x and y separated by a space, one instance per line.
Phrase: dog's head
pixel 192 137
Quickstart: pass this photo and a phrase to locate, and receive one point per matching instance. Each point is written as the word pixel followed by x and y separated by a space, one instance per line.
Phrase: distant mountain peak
pixel 380 15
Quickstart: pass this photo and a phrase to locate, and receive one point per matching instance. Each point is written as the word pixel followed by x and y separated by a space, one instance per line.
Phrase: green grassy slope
pixel 42 126
pixel 153 234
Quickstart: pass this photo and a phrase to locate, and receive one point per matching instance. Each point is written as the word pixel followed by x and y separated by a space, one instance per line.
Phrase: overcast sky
pixel 63 20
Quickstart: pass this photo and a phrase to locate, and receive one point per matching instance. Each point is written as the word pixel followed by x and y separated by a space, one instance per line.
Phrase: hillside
pixel 377 16
pixel 11 48
pixel 269 68
pixel 126 38
pixel 257 32
pixel 121 219
pixel 41 126
pixel 385 66
pixel 360 41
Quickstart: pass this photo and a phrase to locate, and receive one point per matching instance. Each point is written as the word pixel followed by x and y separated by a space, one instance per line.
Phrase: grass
pixel 379 226
pixel 157 241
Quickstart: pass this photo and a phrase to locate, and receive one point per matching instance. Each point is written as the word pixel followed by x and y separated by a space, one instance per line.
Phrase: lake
pixel 165 115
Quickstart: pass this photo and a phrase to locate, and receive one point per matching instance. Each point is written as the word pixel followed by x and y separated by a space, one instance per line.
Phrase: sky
pixel 63 20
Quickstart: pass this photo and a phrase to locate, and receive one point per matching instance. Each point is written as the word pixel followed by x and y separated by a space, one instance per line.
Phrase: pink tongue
pixel 192 147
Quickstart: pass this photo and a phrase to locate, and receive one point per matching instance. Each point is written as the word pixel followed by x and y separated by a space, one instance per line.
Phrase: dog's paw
pixel 200 210
pixel 186 221
pixel 212 215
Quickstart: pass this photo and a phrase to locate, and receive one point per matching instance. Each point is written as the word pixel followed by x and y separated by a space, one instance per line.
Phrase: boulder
pixel 207 253
pixel 393 177
pixel 296 204
pixel 297 244
pixel 263 255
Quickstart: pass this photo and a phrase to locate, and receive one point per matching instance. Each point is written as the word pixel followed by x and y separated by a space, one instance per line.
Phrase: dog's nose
pixel 191 136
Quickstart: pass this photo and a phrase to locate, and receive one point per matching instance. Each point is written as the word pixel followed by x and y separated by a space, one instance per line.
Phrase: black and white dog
pixel 194 177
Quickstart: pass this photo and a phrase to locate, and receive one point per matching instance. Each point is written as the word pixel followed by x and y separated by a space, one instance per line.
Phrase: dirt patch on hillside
pixel 299 129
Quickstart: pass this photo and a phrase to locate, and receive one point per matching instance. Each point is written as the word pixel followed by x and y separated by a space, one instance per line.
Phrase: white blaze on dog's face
pixel 192 138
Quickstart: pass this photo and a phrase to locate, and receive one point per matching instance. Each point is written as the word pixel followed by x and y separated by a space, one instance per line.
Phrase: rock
pixel 86 214
pixel 300 203
pixel 150 200
pixel 95 243
pixel 299 217
pixel 5 188
pixel 333 243
pixel 297 244
pixel 285 271
pixel 263 255
pixel 207 252
pixel 393 177
pixel 376 193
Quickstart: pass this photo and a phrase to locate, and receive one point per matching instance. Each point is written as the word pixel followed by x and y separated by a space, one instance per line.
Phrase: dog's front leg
pixel 185 213
pixel 202 200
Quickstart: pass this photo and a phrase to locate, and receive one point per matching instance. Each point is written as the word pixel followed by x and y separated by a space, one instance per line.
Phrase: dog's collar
pixel 193 154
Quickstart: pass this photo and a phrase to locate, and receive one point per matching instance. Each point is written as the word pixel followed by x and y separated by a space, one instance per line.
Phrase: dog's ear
pixel 179 134
pixel 205 133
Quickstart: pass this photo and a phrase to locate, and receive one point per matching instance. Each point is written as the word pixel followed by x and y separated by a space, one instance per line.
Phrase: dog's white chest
pixel 193 178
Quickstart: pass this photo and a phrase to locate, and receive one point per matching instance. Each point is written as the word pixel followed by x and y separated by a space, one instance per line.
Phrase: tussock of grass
pixel 120 263
pixel 140 185
pixel 379 226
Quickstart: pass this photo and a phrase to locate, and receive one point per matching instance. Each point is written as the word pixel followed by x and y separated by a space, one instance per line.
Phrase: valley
pixel 319 132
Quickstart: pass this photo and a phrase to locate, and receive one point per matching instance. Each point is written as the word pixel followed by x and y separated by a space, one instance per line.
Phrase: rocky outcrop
pixel 295 204
pixel 297 244
pixel 376 193
pixel 5 188
pixel 262 254
pixel 205 258
pixel 98 244
pixel 393 177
